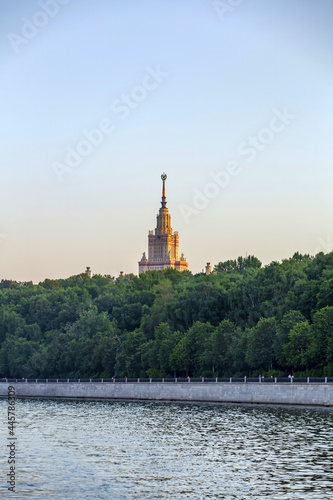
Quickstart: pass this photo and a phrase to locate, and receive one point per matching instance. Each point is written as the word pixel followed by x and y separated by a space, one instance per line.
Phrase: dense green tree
pixel 220 348
pixel 104 355
pixel 9 284
pixel 129 360
pixel 322 336
pixel 15 355
pixel 239 265
pixel 298 348
pixel 325 294
pixel 187 356
pixel 260 352
pixel 165 321
pixel 287 323
pixel 10 321
pixel 128 316
pixel 160 348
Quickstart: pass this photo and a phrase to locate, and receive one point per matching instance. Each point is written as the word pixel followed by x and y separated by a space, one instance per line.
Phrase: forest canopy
pixel 243 319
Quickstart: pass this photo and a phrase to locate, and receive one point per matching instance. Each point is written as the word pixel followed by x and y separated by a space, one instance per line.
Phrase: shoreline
pixel 315 394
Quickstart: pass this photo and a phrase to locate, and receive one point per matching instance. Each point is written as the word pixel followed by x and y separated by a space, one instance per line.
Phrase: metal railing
pixel 177 380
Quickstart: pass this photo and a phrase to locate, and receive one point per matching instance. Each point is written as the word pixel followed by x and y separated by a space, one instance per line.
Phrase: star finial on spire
pixel 163 177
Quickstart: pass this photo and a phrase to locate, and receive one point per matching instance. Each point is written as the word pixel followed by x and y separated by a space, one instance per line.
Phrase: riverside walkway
pixel 177 380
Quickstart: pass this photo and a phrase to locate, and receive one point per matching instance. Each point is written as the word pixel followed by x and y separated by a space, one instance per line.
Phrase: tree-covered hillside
pixel 243 319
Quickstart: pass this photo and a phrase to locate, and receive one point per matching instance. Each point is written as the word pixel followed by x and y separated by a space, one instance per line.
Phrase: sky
pixel 231 98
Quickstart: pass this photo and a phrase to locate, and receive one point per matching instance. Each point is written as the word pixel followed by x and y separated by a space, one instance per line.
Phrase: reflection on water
pixel 91 450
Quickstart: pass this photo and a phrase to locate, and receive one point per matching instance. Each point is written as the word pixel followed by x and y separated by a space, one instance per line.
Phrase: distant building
pixel 163 244
pixel 208 268
pixel 88 272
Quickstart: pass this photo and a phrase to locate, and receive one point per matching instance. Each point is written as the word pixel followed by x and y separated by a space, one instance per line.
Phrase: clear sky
pixel 232 99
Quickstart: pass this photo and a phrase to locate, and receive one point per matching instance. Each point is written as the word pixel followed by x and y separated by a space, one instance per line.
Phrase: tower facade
pixel 163 244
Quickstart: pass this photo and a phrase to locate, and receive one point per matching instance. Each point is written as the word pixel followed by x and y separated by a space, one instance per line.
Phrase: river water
pixel 117 450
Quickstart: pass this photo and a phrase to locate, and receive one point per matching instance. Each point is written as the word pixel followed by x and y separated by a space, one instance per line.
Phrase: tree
pixel 180 358
pixel 219 348
pixel 129 360
pixel 9 284
pixel 260 354
pixel 128 316
pixel 187 354
pixel 15 355
pixel 287 323
pixel 298 347
pixel 322 336
pixel 240 265
pixel 10 321
pixel 160 348
pixel 104 355
pixel 165 320
pixel 325 294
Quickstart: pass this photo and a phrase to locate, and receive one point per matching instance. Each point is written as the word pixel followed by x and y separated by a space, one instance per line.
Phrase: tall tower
pixel 163 245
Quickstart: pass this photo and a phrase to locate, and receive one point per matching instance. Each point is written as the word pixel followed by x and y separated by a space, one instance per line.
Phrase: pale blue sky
pixel 223 79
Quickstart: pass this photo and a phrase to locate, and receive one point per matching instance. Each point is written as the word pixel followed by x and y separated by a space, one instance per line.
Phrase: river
pixel 136 450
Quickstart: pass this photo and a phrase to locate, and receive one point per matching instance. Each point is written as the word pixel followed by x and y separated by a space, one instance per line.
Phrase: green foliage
pixel 260 352
pixel 240 265
pixel 244 319
pixel 220 346
pixel 298 348
pixel 188 355
pixel 287 323
pixel 323 336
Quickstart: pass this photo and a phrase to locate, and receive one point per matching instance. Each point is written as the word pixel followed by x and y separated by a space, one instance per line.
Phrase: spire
pixel 163 177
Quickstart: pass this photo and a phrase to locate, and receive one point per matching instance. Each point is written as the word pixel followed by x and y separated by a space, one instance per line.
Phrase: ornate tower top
pixel 163 244
pixel 163 202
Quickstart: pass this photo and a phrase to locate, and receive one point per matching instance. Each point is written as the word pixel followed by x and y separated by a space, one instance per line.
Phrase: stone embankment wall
pixel 290 394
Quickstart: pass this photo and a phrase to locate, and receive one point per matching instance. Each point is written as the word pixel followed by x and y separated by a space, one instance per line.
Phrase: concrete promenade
pixel 318 394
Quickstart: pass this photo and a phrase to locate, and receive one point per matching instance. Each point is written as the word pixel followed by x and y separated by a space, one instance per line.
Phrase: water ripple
pixel 109 450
